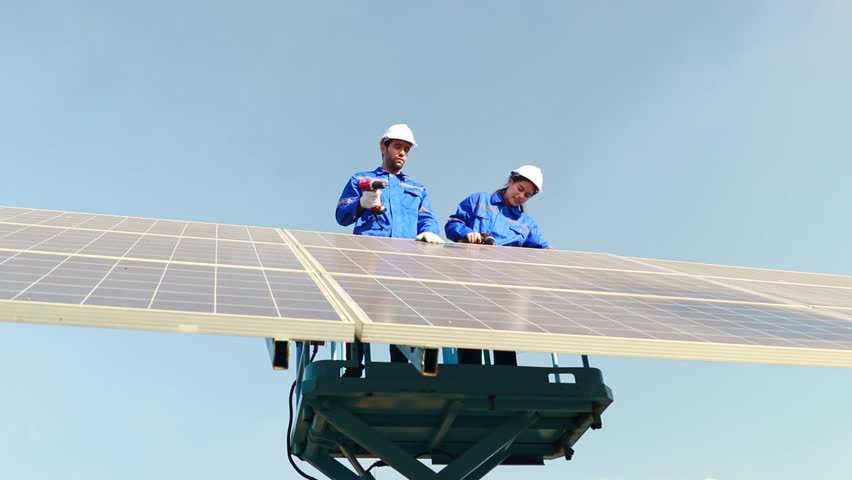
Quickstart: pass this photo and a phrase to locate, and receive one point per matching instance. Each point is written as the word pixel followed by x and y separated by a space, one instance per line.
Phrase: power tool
pixel 371 185
pixel 487 239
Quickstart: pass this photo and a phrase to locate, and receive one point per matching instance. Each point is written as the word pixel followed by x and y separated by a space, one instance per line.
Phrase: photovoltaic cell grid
pixel 745 273
pixel 426 304
pixel 147 246
pixel 395 258
pixel 469 252
pixel 355 262
pixel 797 287
pixel 821 296
pixel 348 254
pixel 161 286
pixel 62 258
pixel 14 218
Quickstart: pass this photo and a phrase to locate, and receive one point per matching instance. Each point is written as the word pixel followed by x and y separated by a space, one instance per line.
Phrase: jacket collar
pixel 497 199
pixel 381 171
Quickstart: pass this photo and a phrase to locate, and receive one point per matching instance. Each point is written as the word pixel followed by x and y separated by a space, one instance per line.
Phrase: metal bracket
pixel 279 353
pixel 425 360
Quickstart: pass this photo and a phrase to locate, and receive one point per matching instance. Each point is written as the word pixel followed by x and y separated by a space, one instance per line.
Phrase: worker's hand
pixel 473 237
pixel 370 199
pixel 429 237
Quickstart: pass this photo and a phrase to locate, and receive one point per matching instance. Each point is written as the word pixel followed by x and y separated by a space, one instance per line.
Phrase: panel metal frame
pixel 173 321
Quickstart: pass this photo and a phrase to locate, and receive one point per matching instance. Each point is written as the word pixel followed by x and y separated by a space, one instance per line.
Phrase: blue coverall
pixel 487 213
pixel 408 213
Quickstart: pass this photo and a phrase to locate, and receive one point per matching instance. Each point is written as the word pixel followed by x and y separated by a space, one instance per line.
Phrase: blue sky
pixel 701 131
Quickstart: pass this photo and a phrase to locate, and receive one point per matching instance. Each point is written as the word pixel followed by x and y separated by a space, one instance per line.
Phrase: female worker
pixel 498 219
pixel 500 215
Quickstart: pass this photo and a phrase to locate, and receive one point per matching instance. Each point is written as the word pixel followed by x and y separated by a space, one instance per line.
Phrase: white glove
pixel 370 199
pixel 429 237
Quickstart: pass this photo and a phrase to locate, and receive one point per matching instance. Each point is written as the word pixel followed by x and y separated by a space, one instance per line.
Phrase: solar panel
pixel 82 269
pixel 103 270
pixel 591 303
pixel 545 320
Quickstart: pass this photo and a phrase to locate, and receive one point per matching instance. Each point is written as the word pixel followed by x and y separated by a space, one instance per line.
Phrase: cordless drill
pixel 487 239
pixel 371 185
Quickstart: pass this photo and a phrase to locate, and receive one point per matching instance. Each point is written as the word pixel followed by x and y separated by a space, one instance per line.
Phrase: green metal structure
pixel 470 418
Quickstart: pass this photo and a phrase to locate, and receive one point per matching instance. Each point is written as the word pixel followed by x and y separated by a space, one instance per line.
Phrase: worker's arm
pixel 426 221
pixel 535 240
pixel 348 207
pixel 457 226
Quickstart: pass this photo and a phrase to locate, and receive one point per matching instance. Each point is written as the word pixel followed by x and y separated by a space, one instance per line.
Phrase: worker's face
pixel 518 192
pixel 394 155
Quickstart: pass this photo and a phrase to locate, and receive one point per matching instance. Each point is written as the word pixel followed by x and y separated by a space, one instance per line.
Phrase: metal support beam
pixel 279 353
pixel 331 468
pixel 487 466
pixel 402 461
pixel 488 452
pixel 425 360
pixel 449 417
pixel 353 461
pixel 314 449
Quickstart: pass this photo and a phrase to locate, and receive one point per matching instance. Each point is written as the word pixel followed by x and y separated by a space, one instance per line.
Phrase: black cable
pixel 290 422
pixel 377 463
pixel 290 432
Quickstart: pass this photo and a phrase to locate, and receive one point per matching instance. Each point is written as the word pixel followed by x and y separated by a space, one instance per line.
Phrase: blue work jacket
pixel 408 213
pixel 487 213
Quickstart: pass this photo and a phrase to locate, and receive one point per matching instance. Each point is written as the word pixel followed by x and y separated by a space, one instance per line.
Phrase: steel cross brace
pixel 477 461
pixel 487 453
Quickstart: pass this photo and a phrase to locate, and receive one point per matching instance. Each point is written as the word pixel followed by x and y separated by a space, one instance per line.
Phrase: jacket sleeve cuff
pixel 456 230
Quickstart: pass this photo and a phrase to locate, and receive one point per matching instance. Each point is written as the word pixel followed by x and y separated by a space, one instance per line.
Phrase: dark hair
pixel 502 192
pixel 387 141
pixel 514 177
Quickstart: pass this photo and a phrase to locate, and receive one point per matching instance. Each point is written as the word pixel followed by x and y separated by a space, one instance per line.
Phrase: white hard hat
pixel 531 173
pixel 399 131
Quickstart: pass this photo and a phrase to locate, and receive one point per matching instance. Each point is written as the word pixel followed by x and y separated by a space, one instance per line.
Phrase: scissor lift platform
pixel 470 418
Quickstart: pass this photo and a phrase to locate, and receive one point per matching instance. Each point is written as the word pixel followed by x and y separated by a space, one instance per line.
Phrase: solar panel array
pixel 190 276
